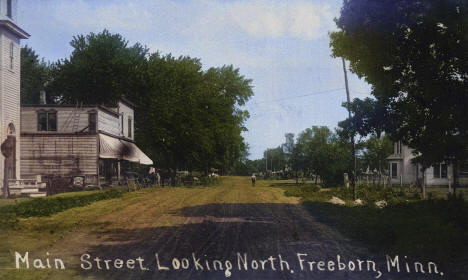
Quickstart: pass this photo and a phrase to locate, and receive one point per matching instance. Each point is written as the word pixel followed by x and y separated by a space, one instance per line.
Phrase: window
pixel 92 121
pixel 42 121
pixel 122 124
pixel 47 121
pixel 129 127
pixel 9 9
pixel 394 170
pixel 443 170
pixel 11 55
pixel 440 170
pixel 397 148
pixel 463 169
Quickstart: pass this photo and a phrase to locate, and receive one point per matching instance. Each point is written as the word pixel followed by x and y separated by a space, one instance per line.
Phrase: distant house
pixel 88 141
pixel 402 169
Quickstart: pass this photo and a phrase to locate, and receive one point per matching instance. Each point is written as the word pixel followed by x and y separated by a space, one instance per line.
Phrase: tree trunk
pixel 173 177
pixel 423 186
pixel 455 175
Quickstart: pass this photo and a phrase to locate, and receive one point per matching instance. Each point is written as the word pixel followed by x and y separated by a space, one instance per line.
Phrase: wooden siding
pixel 9 92
pixel 64 155
pixel 126 112
pixel 65 119
pixel 108 123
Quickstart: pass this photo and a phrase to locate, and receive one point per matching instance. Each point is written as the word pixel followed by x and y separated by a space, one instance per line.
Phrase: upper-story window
pixel 440 170
pixel 9 9
pixel 47 120
pixel 130 127
pixel 397 148
pixel 92 121
pixel 122 124
pixel 12 50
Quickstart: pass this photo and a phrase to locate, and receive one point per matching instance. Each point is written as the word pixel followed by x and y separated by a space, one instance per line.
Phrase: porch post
pixel 118 171
pixel 449 183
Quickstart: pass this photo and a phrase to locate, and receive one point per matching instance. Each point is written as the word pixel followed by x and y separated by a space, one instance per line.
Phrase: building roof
pixel 127 102
pixel 15 29
pixel 395 157
pixel 103 108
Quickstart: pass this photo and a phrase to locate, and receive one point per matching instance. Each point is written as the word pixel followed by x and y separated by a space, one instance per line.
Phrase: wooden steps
pixel 27 187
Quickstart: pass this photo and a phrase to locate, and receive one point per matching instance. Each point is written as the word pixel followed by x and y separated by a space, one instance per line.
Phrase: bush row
pixel 51 205
pixel 369 194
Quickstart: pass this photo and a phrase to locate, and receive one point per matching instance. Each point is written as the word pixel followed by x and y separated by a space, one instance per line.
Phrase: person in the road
pixel 253 179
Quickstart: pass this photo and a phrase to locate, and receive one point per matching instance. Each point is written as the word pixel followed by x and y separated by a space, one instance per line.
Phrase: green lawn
pixel 73 229
pixel 434 228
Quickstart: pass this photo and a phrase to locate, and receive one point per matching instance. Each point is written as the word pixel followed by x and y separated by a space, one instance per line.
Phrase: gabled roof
pixel 395 157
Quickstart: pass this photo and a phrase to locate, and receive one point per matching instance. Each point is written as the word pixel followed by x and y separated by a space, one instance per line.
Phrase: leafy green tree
pixel 186 118
pixel 414 55
pixel 34 76
pixel 192 119
pixel 101 69
pixel 276 159
pixel 376 150
pixel 321 152
pixel 369 117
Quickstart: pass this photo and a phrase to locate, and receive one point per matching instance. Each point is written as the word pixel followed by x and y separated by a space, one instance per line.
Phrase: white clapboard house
pixel 92 142
pixel 10 36
pixel 403 171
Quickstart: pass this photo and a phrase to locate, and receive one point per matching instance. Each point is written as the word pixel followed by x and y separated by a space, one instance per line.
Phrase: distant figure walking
pixel 158 179
pixel 253 179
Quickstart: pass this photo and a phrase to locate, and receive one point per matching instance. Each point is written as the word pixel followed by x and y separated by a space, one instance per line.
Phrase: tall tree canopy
pixel 192 119
pixel 321 152
pixel 34 76
pixel 101 68
pixel 369 117
pixel 414 54
pixel 186 118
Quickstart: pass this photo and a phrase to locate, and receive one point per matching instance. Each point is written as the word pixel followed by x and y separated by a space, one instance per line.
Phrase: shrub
pixel 209 180
pixel 51 205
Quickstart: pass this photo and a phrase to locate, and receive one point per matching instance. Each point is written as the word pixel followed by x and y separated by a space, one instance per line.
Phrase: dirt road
pixel 232 231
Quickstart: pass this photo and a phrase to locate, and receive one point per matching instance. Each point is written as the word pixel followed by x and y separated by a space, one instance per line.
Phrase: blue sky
pixel 282 45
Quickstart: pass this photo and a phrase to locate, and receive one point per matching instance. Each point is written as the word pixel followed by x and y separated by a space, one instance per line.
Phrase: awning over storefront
pixel 111 147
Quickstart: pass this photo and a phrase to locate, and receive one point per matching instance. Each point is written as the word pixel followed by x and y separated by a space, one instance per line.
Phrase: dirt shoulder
pixel 233 231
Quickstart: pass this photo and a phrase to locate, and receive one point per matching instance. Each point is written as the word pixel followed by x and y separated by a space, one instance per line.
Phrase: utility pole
pixel 353 180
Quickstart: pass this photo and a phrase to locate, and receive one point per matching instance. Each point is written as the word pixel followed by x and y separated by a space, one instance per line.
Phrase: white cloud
pixel 303 20
pixel 281 44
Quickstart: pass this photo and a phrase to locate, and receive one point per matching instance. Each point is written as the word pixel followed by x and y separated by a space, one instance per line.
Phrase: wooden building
pixel 403 170
pixel 70 141
pixel 10 35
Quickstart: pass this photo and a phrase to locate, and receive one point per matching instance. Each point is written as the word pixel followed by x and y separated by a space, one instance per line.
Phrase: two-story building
pixel 403 170
pixel 88 141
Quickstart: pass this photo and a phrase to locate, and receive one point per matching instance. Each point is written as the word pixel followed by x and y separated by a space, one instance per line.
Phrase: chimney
pixel 42 97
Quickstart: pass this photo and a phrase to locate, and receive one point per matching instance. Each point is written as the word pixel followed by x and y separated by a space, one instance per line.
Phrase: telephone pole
pixel 353 150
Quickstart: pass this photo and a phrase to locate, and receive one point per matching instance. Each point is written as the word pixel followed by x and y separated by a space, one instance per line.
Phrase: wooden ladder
pixel 76 117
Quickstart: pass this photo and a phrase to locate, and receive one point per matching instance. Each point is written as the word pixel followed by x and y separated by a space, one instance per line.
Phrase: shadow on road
pixel 221 231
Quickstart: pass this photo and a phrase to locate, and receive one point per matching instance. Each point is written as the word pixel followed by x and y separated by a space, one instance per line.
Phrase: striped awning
pixel 111 147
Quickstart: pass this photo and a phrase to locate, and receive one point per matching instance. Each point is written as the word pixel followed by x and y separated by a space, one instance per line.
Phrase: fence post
pixel 401 180
pixel 424 185
pixel 449 184
pixel 346 180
